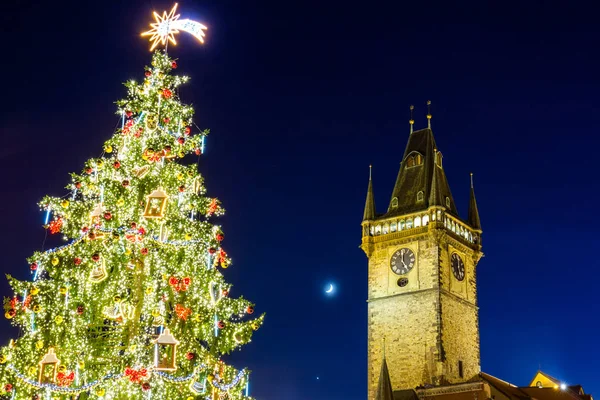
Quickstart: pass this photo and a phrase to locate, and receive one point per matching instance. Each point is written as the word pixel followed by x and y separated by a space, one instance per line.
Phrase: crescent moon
pixel 194 28
pixel 330 288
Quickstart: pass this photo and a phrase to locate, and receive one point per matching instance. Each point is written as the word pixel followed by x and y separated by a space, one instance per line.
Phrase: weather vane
pixel 168 25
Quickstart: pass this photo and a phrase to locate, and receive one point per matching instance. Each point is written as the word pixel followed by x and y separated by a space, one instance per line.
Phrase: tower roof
pixel 384 387
pixel 473 212
pixel 421 170
pixel 370 202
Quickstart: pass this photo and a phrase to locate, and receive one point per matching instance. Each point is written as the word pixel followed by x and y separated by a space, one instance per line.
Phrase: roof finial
pixel 384 347
pixel 370 170
pixel 471 180
pixel 411 121
pixel 429 114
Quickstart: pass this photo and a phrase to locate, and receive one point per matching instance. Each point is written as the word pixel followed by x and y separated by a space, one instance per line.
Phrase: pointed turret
pixel 384 387
pixel 370 203
pixel 473 212
pixel 435 198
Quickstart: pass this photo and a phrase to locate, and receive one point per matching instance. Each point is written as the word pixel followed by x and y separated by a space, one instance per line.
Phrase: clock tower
pixel 422 292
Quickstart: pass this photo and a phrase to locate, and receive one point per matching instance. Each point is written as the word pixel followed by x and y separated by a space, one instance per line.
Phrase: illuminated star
pixel 168 25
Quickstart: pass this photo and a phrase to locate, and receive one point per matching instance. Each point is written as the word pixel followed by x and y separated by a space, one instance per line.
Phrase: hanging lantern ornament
pixel 48 367
pixel 98 273
pixel 165 352
pixel 156 204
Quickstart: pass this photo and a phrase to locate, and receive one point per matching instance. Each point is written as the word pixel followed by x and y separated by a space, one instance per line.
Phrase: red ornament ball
pixel 8 387
pixel 250 310
pixel 221 325
pixel 167 93
pixel 128 113
pixel 96 257
pixel 167 120
pixel 88 170
pixel 12 312
pixel 180 140
pixel 78 185
pixel 92 235
pixel 107 215
pixel 174 65
pixel 144 251
pixel 80 309
pixel 190 356
pixel 117 165
pixel 197 151
pixel 187 130
pixel 125 183
pixel 77 261
pixel 225 292
pixel 146 386
pixel 148 74
pixel 85 229
pixel 220 237
pixel 212 250
pixel 33 266
pixel 133 225
pixel 182 188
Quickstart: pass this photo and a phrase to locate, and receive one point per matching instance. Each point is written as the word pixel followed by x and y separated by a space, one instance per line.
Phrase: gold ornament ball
pixel 65 203
pixel 211 377
pixel 255 326
pixel 32 370
pixel 59 319
pixel 190 398
pixel 121 202
pixel 149 290
pixel 81 365
pixel 34 291
pixel 62 368
pixel 156 313
pixel 8 315
pixel 108 148
pixel 191 173
pixel 180 176
pixel 62 290
pixel 39 344
pixel 100 392
pixel 117 299
pixel 3 359
pixel 37 308
pixel 181 154
pixel 100 164
pixel 55 261
pixel 224 264
pixel 188 236
pixel 128 252
pixel 197 318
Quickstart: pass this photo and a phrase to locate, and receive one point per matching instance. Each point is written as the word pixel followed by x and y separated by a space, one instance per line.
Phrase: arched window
pixel 394 202
pixel 401 225
pixel 439 215
pixel 410 162
pixel 420 196
pixel 438 159
pixel 393 226
pixel 372 230
pixel 417 222
pixel 426 219
pixel 414 159
pixel 448 202
pixel 409 223
pixel 378 230
pixel 386 229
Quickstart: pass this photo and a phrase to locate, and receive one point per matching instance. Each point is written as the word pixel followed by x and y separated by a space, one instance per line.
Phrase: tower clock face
pixel 458 267
pixel 402 261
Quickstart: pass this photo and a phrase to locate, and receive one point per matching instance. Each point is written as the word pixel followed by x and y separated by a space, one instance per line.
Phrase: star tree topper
pixel 168 25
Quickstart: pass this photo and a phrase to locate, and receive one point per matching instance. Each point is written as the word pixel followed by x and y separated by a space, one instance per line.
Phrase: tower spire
pixel 370 203
pixel 429 114
pixel 411 121
pixel 473 212
pixel 434 194
pixel 384 386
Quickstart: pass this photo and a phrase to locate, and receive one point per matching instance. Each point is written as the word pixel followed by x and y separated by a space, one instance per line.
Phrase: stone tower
pixel 422 295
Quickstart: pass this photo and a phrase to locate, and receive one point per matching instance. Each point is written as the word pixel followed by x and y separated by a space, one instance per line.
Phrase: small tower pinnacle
pixel 411 121
pixel 429 114
pixel 474 220
pixel 370 202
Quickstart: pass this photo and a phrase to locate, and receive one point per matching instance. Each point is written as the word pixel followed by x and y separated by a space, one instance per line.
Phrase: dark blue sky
pixel 301 96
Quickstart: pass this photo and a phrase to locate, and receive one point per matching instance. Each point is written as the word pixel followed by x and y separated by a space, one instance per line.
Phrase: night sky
pixel 300 97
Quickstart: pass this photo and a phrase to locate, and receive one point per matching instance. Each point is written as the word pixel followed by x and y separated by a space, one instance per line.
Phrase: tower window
pixel 386 229
pixel 438 159
pixel 539 384
pixel 394 202
pixel 460 369
pixel 425 219
pixel 414 159
pixel 401 225
pixel 420 196
pixel 417 222
pixel 378 230
pixel 448 202
pixel 393 226
pixel 409 223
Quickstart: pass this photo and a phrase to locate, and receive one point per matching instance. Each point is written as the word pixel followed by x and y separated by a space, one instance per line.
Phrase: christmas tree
pixel 135 305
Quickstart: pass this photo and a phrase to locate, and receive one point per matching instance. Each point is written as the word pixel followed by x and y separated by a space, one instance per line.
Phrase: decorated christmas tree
pixel 135 305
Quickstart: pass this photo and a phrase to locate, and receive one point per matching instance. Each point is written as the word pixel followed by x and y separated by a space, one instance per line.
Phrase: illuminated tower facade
pixel 422 291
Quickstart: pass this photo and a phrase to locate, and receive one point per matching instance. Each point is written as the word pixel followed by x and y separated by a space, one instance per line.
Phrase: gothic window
pixel 460 369
pixel 417 222
pixel 394 202
pixel 409 223
pixel 439 215
pixel 372 230
pixel 414 159
pixel 386 229
pixel 448 202
pixel 401 226
pixel 378 230
pixel 393 226
pixel 420 196
pixel 425 219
